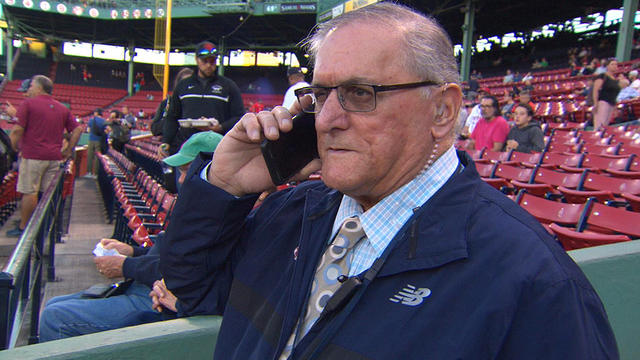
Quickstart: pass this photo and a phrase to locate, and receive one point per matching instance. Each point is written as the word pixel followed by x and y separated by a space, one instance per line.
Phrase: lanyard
pixel 347 296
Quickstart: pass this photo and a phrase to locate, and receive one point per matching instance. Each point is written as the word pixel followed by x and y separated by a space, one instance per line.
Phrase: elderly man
pixel 430 271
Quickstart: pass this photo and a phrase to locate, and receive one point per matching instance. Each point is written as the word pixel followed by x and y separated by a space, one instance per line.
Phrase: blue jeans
pixel 71 315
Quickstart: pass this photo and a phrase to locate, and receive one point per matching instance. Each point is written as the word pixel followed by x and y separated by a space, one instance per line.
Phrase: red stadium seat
pixel 572 240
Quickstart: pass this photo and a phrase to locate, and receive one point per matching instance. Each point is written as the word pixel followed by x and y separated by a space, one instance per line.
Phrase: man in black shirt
pixel 203 95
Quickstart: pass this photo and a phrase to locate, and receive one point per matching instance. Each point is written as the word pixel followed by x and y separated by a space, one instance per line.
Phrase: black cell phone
pixel 293 150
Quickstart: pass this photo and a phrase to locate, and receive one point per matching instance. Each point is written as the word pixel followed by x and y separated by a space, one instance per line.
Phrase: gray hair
pixel 45 83
pixel 428 50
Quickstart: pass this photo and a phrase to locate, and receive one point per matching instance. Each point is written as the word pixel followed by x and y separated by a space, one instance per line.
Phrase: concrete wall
pixel 614 270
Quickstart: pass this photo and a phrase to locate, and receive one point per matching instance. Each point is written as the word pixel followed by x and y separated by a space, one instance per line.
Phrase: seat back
pixel 601 149
pixel 510 172
pixel 485 170
pixel 557 159
pixel 614 220
pixel 556 178
pixel 600 162
pixel 520 157
pixel 547 211
pixel 496 156
pixel 615 185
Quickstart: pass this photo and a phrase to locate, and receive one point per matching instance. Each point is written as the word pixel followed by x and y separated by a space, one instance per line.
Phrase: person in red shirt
pixel 492 129
pixel 38 136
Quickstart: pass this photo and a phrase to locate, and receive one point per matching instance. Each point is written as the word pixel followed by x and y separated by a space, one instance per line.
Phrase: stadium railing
pixel 21 282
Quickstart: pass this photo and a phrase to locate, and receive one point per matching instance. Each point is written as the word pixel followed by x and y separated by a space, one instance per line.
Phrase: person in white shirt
pixel 296 81
pixel 633 78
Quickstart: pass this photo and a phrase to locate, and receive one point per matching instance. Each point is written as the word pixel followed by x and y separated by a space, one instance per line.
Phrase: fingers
pixel 155 303
pixel 109 243
pixel 266 124
pixel 159 289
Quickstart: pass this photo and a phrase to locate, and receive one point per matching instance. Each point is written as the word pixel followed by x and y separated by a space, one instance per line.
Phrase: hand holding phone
pixel 293 150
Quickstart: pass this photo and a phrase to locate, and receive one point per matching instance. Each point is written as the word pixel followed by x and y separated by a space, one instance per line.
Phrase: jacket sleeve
pixel 564 321
pixel 139 250
pixel 170 126
pixel 201 245
pixel 236 107
pixel 144 268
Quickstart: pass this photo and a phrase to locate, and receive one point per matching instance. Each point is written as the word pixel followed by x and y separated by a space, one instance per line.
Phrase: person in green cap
pixel 75 314
pixel 205 141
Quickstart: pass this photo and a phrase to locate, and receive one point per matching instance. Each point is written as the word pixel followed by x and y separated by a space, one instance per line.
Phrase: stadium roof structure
pixel 266 24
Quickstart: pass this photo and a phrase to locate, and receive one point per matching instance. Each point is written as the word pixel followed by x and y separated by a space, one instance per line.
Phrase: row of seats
pixel 583 224
pixel 587 193
pixel 141 205
pixel 145 154
pixel 8 196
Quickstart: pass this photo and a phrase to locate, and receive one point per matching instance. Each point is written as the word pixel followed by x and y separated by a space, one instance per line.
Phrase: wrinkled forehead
pixel 359 50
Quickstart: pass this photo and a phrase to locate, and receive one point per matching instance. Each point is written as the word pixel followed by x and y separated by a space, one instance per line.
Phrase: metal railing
pixel 21 279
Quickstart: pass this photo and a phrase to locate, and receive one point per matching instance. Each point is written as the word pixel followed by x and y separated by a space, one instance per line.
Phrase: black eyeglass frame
pixel 376 90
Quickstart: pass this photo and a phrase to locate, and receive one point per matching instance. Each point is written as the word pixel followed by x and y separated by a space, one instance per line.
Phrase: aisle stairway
pixel 75 269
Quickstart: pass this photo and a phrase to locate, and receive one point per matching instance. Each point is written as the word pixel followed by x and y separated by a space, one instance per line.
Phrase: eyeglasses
pixel 207 52
pixel 352 97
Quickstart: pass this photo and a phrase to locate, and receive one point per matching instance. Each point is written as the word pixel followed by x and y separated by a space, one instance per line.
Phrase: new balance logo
pixel 411 295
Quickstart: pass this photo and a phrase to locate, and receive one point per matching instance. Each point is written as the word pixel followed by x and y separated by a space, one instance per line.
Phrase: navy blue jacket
pixel 471 276
pixel 144 265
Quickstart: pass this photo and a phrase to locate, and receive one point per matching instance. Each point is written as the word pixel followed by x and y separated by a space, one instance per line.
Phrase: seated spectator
pixel 525 98
pixel 527 85
pixel 473 84
pixel 536 64
pixel 474 115
pixel 74 315
pixel 602 67
pixel 526 136
pixel 141 114
pixel 517 77
pixel 508 78
pixel 507 108
pixel 590 68
pixel 491 130
pixel 527 76
pixel 544 63
pixel 626 92
pixel 633 78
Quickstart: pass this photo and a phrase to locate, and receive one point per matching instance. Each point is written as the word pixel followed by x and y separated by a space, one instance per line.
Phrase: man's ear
pixel 446 115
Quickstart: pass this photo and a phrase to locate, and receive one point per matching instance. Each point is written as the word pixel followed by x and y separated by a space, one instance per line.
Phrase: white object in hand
pixel 101 251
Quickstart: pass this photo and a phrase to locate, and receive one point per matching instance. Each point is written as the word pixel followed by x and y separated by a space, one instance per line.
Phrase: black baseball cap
pixel 206 49
pixel 293 71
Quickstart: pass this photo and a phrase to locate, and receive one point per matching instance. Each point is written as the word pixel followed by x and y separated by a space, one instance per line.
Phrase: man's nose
pixel 331 114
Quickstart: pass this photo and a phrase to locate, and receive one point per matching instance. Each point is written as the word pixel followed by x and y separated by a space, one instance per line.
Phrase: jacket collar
pixel 440 235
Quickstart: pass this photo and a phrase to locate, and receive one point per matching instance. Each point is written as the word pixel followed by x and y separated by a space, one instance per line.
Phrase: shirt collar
pixel 386 218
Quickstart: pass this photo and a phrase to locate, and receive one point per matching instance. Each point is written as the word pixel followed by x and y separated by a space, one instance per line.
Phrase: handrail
pixel 21 278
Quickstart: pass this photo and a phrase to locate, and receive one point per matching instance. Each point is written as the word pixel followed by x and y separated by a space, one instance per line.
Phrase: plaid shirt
pixel 386 218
